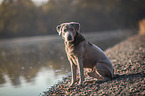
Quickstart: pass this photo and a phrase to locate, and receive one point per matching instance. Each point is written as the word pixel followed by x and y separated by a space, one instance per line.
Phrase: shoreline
pixel 128 58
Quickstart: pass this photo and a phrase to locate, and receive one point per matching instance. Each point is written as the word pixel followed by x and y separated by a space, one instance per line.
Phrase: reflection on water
pixel 28 65
pixel 31 65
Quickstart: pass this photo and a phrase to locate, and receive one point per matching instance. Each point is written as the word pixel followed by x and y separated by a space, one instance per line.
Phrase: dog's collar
pixel 78 38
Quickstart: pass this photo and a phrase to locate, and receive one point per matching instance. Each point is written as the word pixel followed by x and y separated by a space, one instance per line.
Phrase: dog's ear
pixel 58 28
pixel 76 25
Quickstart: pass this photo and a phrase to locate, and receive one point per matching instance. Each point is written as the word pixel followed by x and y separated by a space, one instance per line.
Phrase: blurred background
pixel 40 17
pixel 32 56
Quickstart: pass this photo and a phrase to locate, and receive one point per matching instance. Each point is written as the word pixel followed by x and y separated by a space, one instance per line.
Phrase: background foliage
pixel 24 18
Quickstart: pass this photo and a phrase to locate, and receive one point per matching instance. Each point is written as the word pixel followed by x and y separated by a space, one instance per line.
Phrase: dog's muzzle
pixel 69 37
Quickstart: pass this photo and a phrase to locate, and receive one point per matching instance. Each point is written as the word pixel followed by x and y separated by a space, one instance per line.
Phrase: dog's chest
pixel 70 50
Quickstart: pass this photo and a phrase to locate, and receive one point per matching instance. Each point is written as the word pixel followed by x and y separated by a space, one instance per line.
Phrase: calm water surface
pixel 31 65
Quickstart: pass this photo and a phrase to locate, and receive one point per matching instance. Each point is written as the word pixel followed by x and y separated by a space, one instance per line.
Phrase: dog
pixel 83 54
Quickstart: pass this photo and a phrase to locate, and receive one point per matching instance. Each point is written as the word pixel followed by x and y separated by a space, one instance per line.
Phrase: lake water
pixel 31 65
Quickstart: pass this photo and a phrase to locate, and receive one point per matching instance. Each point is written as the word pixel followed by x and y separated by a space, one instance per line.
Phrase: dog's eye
pixel 71 29
pixel 65 30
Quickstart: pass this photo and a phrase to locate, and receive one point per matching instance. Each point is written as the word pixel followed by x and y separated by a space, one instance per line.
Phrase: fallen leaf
pixel 61 86
pixel 68 93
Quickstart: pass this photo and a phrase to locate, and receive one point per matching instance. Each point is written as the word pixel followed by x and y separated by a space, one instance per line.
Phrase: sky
pixel 37 2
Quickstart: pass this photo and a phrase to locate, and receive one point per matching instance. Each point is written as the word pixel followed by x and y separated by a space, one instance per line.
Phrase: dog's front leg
pixel 81 70
pixel 74 72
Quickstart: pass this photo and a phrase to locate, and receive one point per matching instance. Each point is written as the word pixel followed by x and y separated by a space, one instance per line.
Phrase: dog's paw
pixel 81 83
pixel 72 84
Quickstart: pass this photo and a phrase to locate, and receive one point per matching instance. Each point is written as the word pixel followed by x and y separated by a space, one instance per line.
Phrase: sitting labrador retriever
pixel 83 54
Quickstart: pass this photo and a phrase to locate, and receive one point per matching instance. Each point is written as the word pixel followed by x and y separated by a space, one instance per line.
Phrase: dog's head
pixel 68 30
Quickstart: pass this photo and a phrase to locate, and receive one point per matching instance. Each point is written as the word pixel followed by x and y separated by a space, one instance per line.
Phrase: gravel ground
pixel 128 58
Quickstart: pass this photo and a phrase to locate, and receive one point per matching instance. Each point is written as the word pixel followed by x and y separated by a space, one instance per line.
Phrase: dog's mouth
pixel 70 38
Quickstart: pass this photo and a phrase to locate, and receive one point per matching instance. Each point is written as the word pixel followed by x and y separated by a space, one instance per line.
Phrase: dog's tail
pixel 127 75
